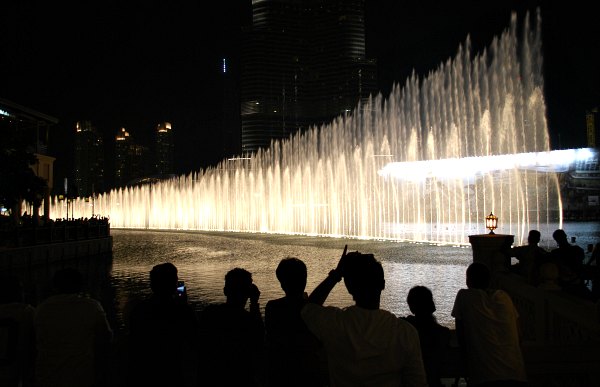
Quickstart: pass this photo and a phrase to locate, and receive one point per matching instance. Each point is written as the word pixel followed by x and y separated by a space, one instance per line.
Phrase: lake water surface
pixel 203 258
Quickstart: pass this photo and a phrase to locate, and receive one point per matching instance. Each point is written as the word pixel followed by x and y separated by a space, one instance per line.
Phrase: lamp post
pixel 491 222
pixel 486 247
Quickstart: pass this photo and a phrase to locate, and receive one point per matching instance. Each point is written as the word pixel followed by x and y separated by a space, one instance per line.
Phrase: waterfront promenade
pixel 33 252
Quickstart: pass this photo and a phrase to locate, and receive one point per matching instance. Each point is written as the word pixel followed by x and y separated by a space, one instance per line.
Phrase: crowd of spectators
pixel 65 340
pixel 32 230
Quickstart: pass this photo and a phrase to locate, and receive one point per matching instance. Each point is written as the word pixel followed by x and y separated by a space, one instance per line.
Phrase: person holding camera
pixel 365 345
pixel 233 337
pixel 163 334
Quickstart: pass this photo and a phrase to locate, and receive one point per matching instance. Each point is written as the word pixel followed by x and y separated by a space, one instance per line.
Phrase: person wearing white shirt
pixel 488 332
pixel 365 345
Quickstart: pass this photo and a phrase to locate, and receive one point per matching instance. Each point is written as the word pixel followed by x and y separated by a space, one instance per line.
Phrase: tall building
pixel 122 171
pixel 165 149
pixel 230 115
pixel 303 63
pixel 89 159
pixel 131 160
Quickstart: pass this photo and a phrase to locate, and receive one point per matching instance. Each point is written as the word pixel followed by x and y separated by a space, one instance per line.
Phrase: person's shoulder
pixel 410 318
pixel 50 303
pixel 405 330
pixel 276 303
pixel 520 249
pixel 466 298
pixel 384 316
pixel 465 293
pixel 404 322
pixel 89 303
pixel 499 295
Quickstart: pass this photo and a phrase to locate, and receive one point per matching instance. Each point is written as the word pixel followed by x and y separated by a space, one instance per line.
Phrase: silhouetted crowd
pixel 564 268
pixel 66 339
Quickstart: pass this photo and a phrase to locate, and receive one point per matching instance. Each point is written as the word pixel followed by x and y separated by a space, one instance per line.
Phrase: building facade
pixel 165 149
pixel 28 130
pixel 303 63
pixel 132 161
pixel 89 159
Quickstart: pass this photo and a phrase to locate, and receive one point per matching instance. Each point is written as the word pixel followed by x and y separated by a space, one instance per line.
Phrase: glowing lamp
pixel 491 222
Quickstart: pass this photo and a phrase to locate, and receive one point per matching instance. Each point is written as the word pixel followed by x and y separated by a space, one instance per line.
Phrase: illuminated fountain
pixel 388 170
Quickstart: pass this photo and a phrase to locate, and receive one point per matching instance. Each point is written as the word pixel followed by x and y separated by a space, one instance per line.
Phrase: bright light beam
pixel 469 167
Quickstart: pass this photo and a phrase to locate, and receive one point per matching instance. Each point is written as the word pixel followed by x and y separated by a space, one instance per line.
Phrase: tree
pixel 19 182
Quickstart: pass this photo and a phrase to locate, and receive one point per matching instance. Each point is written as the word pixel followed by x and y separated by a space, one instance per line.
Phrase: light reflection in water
pixel 203 259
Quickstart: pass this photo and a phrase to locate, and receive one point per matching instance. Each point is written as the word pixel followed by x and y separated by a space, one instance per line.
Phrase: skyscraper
pixel 122 170
pixel 230 110
pixel 89 159
pixel 164 149
pixel 303 63
pixel 131 160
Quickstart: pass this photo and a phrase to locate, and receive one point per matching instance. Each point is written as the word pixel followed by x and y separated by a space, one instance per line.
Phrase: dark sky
pixel 134 64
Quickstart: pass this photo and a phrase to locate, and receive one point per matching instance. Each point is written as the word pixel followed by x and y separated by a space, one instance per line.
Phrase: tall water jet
pixel 348 178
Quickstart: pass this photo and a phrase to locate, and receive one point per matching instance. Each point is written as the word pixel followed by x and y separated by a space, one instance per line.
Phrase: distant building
pixel 580 189
pixel 165 149
pixel 230 115
pixel 31 130
pixel 303 64
pixel 122 171
pixel 89 160
pixel 131 160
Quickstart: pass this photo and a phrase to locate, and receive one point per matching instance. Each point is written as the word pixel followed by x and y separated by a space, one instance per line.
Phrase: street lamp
pixel 491 223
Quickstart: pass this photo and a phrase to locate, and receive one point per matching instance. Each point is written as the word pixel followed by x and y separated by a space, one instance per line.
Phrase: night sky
pixel 134 64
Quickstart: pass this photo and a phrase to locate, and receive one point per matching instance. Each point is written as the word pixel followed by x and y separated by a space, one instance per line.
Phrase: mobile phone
pixel 180 288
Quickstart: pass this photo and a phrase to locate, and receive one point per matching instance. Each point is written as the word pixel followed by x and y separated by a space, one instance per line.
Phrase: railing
pixel 12 236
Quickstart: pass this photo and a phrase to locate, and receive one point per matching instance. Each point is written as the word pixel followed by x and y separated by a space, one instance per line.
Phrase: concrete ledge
pixel 38 255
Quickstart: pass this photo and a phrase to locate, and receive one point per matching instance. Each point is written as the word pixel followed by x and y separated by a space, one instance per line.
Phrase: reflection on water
pixel 203 259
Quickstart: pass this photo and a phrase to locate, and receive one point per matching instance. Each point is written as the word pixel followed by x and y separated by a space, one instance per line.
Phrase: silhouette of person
pixel 487 331
pixel 433 337
pixel 233 337
pixel 365 345
pixel 530 257
pixel 163 333
pixel 72 335
pixel 293 351
pixel 569 259
pixel 16 335
pixel 592 266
